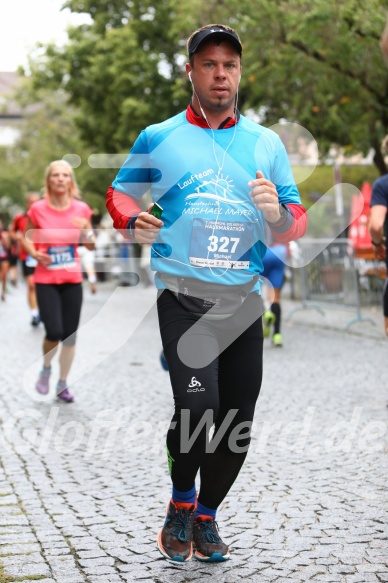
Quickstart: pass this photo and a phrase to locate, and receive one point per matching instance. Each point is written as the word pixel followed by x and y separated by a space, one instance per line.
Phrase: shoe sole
pixel 65 400
pixel 215 558
pixel 177 558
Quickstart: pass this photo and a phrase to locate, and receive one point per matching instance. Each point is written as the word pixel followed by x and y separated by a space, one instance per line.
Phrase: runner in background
pixel 58 223
pixel 274 268
pixel 87 261
pixel 28 264
pixel 378 227
pixel 4 259
pixel 378 219
pixel 13 259
pixel 87 257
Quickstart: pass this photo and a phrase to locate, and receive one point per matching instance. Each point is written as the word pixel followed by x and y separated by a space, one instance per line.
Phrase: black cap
pixel 215 31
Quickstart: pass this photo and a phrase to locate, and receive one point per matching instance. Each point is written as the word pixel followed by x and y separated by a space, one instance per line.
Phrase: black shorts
pixel 26 269
pixel 13 260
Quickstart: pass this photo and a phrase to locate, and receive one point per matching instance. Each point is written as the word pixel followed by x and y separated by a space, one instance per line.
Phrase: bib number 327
pixel 222 244
pixel 218 243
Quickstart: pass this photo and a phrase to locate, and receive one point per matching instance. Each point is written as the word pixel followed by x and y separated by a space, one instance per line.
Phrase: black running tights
pixel 60 310
pixel 208 388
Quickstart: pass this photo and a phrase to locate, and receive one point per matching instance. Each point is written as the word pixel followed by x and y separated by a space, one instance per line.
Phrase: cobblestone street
pixel 83 487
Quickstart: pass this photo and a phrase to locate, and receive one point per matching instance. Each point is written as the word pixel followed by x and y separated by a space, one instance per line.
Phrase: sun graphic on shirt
pixel 218 188
pixel 223 186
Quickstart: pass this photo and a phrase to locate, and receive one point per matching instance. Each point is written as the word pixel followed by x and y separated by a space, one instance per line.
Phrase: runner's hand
pixel 147 227
pixel 381 251
pixel 42 258
pixel 265 197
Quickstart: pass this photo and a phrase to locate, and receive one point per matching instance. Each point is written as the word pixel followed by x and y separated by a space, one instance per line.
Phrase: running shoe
pixel 42 384
pixel 35 321
pixel 63 392
pixel 175 538
pixel 163 361
pixel 277 340
pixel 209 547
pixel 268 321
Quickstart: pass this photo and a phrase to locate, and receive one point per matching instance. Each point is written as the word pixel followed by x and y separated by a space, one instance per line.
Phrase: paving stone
pixel 107 579
pixel 8 499
pixel 22 569
pixel 91 513
pixel 91 554
pixel 364 578
pixel 20 538
pixel 99 570
pixel 40 581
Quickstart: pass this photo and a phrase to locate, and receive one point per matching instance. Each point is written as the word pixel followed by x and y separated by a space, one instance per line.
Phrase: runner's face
pixel 59 180
pixel 216 75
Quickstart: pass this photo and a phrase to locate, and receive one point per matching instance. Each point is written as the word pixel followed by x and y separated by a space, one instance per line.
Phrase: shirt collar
pixel 195 119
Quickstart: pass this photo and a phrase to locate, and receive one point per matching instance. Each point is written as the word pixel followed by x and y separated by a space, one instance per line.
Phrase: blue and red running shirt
pixel 212 231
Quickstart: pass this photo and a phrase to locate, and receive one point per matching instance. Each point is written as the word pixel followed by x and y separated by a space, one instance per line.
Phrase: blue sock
pixel 201 509
pixel 187 497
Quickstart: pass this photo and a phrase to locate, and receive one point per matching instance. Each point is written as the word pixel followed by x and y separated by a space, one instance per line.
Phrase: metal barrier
pixel 329 277
pixel 371 278
pixel 117 260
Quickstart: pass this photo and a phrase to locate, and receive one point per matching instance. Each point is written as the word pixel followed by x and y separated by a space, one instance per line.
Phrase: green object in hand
pixel 156 210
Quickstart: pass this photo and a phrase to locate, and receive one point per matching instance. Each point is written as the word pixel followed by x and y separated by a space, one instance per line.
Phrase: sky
pixel 23 23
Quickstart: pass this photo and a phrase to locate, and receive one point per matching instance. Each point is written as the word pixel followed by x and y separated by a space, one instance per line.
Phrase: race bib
pixel 216 243
pixel 62 257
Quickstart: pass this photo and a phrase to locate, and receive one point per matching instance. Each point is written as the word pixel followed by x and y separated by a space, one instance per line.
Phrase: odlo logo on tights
pixel 195 386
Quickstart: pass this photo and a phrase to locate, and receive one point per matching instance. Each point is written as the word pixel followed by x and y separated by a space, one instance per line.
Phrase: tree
pixel 118 71
pixel 48 133
pixel 316 62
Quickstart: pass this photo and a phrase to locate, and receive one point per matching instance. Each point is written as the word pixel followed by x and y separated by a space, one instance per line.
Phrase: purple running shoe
pixel 63 392
pixel 42 384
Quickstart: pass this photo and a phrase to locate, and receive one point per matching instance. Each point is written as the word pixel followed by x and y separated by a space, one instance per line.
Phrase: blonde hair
pixel 74 191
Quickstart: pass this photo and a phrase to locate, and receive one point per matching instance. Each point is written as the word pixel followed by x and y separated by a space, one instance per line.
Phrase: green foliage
pixel 321 66
pixel 322 179
pixel 117 71
pixel 49 133
pixel 315 62
pixel 323 221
